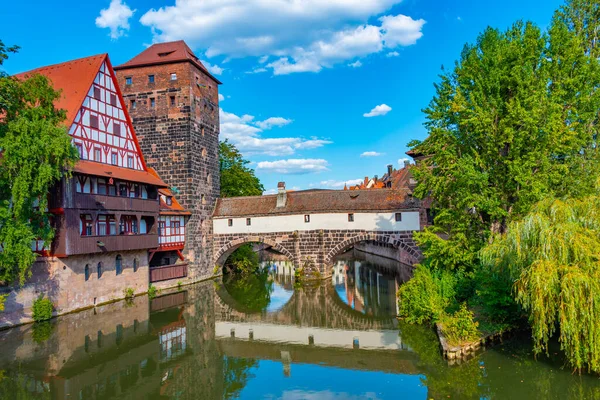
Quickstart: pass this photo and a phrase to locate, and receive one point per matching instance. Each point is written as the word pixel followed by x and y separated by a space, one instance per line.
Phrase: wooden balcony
pixel 99 202
pixel 166 272
pixel 102 244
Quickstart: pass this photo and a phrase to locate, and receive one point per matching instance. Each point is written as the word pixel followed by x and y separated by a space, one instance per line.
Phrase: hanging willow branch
pixel 553 257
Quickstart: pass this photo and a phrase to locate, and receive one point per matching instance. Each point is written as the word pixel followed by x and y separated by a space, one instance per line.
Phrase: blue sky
pixel 308 85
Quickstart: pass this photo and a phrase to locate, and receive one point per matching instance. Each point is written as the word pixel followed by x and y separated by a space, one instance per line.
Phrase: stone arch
pixel 225 251
pixel 395 240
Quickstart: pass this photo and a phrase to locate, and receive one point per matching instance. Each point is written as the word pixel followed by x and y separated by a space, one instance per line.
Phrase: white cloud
pixel 370 154
pixel 356 64
pixel 257 71
pixel 273 121
pixel 244 132
pixel 401 161
pixel 392 54
pixel 270 191
pixel 116 18
pixel 213 68
pixel 221 97
pixel 295 166
pixel 335 184
pixel 290 36
pixel 379 110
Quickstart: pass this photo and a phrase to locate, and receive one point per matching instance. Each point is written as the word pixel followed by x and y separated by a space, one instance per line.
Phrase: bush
pixel 42 309
pixel 42 331
pixel 129 293
pixel 426 296
pixel 244 260
pixel 152 291
pixel 2 300
pixel 494 295
pixel 460 326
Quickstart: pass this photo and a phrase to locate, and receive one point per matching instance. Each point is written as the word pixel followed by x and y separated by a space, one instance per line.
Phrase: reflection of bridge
pixel 312 227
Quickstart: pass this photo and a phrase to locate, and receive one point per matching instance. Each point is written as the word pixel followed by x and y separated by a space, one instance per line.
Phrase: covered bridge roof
pixel 317 201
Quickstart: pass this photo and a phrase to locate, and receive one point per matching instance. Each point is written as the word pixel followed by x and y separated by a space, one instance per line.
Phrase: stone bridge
pixel 312 227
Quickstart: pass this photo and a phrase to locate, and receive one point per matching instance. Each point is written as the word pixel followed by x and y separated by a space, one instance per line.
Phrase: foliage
pixel 236 374
pixel 552 255
pixel 153 291
pixel 36 152
pixel 460 326
pixel 244 260
pixel 41 331
pixel 253 291
pixel 494 295
pixel 426 296
pixel 179 285
pixel 513 122
pixel 128 293
pixel 237 179
pixel 2 300
pixel 42 309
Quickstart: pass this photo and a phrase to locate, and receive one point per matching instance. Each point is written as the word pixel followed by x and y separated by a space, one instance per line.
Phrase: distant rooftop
pixel 166 53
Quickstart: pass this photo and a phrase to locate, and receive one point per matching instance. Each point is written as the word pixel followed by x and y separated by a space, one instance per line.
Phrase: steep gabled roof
pixel 175 208
pixel 166 53
pixel 74 79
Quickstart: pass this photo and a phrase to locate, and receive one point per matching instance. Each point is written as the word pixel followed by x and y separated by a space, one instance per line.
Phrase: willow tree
pixel 516 120
pixel 36 152
pixel 552 255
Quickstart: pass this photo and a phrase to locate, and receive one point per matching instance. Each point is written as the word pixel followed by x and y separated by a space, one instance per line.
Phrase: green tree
pixel 552 255
pixel 36 152
pixel 513 122
pixel 236 178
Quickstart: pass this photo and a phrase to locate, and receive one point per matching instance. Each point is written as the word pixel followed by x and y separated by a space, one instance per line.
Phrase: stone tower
pixel 174 104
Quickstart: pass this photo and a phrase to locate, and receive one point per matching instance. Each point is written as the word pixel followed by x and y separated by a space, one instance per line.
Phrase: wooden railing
pixel 166 272
pixel 168 301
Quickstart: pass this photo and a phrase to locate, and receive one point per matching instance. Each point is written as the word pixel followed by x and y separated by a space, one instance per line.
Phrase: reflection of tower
pixel 286 360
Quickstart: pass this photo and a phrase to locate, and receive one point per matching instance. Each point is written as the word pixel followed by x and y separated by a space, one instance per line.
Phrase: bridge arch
pixel 397 241
pixel 224 252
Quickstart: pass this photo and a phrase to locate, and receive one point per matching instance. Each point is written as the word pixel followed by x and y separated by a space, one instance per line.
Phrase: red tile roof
pixel 319 201
pixel 175 208
pixel 73 78
pixel 166 53
pixel 112 171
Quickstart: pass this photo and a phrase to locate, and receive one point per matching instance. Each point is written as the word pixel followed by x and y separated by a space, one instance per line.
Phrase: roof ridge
pixel 61 64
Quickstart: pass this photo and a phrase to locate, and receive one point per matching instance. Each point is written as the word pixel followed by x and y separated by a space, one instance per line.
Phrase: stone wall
pixel 62 280
pixel 179 137
pixel 317 249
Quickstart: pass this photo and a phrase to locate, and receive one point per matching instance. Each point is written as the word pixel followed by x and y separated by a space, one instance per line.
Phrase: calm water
pixel 259 338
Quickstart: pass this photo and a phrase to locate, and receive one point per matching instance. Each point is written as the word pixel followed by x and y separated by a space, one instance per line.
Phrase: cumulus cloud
pixel 221 97
pixel 213 68
pixel 116 18
pixel 356 64
pixel 245 133
pixel 294 166
pixel 335 184
pixel 379 110
pixel 290 36
pixel 392 54
pixel 370 154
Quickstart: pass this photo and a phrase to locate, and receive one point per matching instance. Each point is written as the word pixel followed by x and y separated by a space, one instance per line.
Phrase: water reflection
pixel 213 341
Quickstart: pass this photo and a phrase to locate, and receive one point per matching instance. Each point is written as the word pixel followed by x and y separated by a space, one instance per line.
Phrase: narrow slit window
pixel 307 218
pixel 150 78
pixel 128 80
pixel 230 222
pixel 350 217
pixel 248 221
pixel 398 217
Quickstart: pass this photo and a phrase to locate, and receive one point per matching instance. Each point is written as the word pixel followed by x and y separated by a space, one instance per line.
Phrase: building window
pixel 114 159
pixel 99 267
pixel 87 272
pixel 97 154
pixel 230 222
pixel 173 76
pixel 307 218
pixel 97 93
pixel 119 264
pixel 132 104
pixel 113 100
pixel 248 221
pixel 398 217
pixel 123 190
pixel 152 102
pixel 175 228
pixel 86 225
pixel 169 200
pixel 94 121
pixel 161 228
pixel 128 80
pixel 116 128
pixel 106 225
pixel 79 148
pixel 130 162
pixel 172 101
pixel 150 78
pixel 350 217
pixel 203 199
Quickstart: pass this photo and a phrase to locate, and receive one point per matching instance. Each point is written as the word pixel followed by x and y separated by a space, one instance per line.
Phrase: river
pixel 262 338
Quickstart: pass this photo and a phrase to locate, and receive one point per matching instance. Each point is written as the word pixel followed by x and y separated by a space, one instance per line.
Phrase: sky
pixel 315 93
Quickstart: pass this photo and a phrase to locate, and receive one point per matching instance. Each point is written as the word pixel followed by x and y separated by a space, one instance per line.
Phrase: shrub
pixel 426 296
pixel 2 300
pixel 179 285
pixel 460 326
pixel 129 293
pixel 494 295
pixel 152 291
pixel 42 331
pixel 42 309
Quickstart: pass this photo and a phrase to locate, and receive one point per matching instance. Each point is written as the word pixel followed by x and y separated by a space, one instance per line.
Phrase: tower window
pixel 172 101
pixel 150 78
pixel 152 102
pixel 173 76
pixel 132 104
pixel 128 80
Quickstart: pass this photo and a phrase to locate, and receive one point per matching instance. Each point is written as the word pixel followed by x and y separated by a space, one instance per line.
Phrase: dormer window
pixel 169 200
pixel 166 53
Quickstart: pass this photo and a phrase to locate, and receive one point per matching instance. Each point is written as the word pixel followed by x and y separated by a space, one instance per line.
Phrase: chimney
pixel 375 178
pixel 389 170
pixel 406 163
pixel 281 195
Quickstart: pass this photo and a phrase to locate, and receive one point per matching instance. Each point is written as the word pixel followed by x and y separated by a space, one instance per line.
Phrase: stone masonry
pixel 177 125
pixel 316 249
